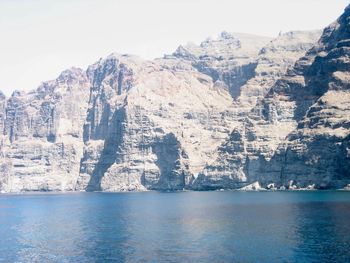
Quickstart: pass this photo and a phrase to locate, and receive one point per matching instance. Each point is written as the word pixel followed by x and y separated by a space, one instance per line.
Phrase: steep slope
pixel 157 124
pixel 130 124
pixel 247 65
pixel 273 61
pixel 230 59
pixel 150 124
pixel 318 152
pixel 298 135
pixel 41 146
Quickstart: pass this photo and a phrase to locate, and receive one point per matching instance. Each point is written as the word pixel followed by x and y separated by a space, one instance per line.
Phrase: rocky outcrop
pixel 298 135
pixel 158 132
pixel 273 61
pixel 41 145
pixel 230 59
pixel 238 112
pixel 156 125
pixel 319 147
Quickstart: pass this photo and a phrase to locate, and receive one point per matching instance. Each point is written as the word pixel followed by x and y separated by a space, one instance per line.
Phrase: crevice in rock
pixel 167 150
pixel 110 150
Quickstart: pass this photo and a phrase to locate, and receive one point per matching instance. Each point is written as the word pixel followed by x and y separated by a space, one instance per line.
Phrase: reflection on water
pixel 176 227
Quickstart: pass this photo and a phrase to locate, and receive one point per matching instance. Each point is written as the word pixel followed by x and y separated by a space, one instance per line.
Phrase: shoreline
pixel 170 191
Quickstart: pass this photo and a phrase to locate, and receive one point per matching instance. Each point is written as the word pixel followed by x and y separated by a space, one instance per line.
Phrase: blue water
pixel 176 227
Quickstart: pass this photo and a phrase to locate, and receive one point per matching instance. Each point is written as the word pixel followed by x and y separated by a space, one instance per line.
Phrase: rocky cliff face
pixel 154 128
pixel 230 60
pixel 41 144
pixel 272 63
pixel 162 121
pixel 319 147
pixel 298 135
pixel 232 112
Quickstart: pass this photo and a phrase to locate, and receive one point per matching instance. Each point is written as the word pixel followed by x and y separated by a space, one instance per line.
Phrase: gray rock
pixel 299 131
pixel 236 112
pixel 41 144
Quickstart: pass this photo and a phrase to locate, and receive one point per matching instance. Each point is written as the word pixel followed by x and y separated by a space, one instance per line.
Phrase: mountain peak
pixel 226 35
pixel 224 45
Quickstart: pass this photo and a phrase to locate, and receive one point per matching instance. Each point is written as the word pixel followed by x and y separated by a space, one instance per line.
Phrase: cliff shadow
pixel 110 150
pixel 167 150
pixel 235 78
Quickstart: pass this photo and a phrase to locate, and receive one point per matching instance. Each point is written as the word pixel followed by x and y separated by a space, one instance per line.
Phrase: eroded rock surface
pixel 236 112
pixel 298 134
pixel 41 144
pixel 158 132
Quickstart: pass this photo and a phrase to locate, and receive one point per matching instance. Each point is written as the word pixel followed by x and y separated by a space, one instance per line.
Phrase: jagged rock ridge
pixel 298 135
pixel 228 113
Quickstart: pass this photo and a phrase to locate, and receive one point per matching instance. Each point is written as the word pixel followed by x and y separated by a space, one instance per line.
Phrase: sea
pixel 216 226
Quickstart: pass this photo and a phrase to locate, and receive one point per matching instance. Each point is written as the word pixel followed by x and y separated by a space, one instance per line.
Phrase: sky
pixel 41 38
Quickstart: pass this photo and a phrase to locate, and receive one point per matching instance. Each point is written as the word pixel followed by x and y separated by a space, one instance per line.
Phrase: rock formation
pixel 298 135
pixel 239 111
pixel 150 124
pixel 41 144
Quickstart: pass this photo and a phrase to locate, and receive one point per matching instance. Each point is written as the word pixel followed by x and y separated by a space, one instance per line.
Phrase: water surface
pixel 176 227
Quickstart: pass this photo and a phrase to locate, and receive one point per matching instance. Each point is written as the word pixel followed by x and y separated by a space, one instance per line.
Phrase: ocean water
pixel 176 227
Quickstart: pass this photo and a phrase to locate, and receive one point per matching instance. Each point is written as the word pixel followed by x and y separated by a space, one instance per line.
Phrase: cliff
pixel 236 111
pixel 297 136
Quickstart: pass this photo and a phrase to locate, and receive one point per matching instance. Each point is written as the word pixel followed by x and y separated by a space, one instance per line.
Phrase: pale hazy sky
pixel 40 38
